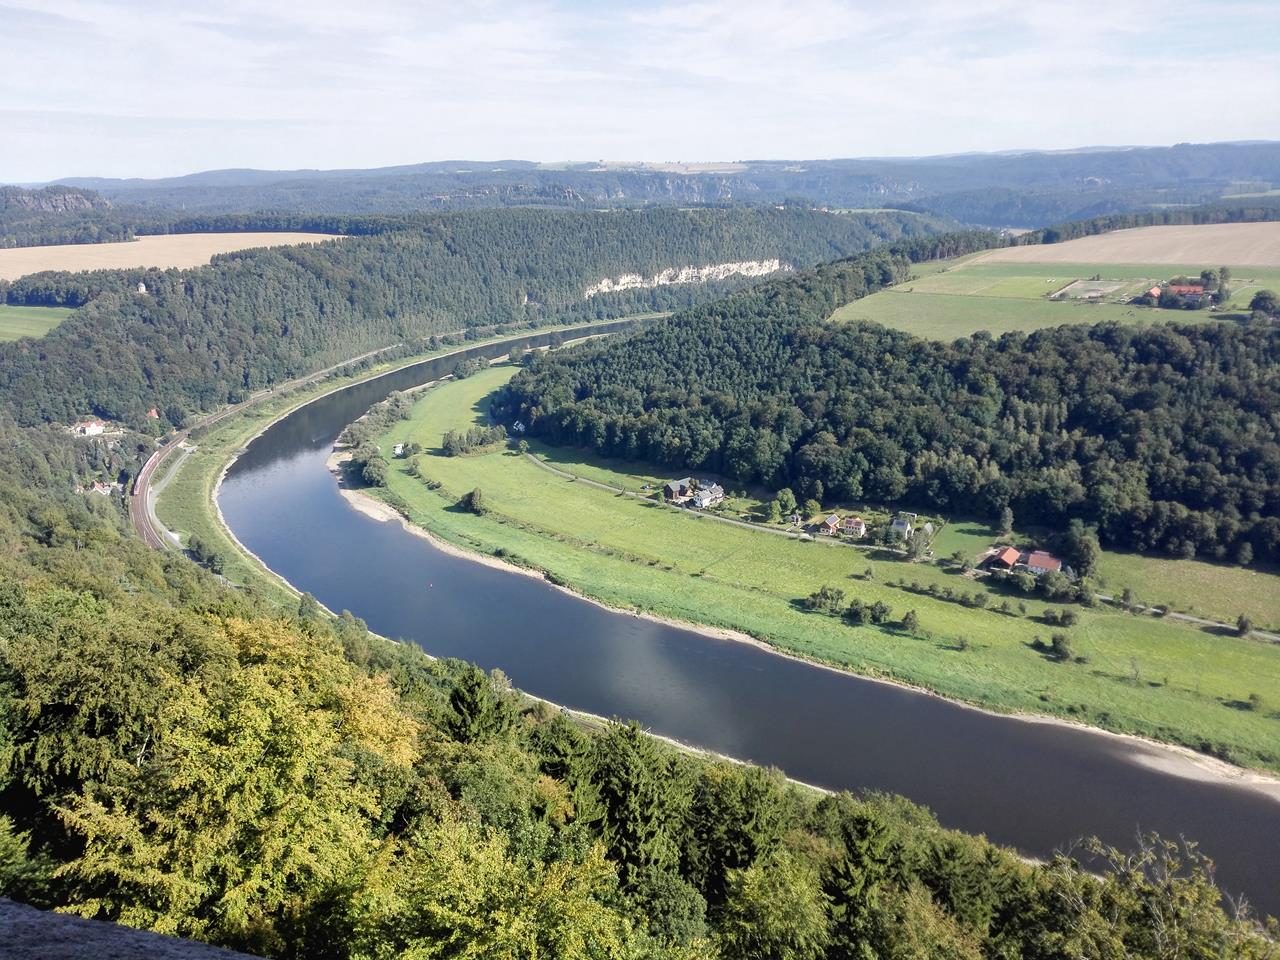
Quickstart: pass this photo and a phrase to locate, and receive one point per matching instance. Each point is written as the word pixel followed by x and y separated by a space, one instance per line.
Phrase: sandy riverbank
pixel 1166 758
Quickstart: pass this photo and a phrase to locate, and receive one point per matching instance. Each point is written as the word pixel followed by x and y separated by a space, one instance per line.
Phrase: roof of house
pixel 1008 556
pixel 1183 288
pixel 1044 561
pixel 679 484
pixel 901 522
pixel 854 521
pixel 833 520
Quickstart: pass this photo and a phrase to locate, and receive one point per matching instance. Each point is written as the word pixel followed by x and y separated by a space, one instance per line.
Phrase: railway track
pixel 142 514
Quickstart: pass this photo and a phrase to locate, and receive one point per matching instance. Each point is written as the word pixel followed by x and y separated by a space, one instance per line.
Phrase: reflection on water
pixel 1036 786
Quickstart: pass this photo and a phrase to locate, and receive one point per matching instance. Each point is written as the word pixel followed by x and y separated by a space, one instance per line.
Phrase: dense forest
pixel 184 758
pixel 199 338
pixel 58 215
pixel 1026 189
pixel 1164 438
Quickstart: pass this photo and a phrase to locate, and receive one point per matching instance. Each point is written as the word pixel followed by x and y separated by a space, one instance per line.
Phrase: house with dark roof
pixel 707 495
pixel 854 527
pixel 1039 562
pixel 831 525
pixel 678 491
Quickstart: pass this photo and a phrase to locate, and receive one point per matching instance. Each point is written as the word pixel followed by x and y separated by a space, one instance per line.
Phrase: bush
pixel 474 502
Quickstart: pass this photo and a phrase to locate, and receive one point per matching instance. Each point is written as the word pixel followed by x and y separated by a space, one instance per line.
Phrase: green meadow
pixel 954 298
pixel 17 322
pixel 1139 674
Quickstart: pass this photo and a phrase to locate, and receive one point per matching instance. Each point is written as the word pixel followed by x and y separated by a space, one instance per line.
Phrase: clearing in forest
pixel 179 250
pixel 18 322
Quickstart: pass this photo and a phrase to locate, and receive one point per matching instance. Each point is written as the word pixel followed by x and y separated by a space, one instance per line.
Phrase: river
pixel 1034 786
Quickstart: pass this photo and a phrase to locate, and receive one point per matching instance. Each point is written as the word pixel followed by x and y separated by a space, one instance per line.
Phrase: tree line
pixel 200 338
pixel 1161 438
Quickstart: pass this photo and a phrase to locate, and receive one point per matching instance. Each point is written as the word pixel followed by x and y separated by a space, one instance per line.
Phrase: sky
pixel 158 88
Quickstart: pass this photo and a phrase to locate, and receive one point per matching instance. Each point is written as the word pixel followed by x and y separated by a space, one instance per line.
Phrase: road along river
pixel 1037 786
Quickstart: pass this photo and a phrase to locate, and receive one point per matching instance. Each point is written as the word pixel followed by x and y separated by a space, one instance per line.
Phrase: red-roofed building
pixel 1006 558
pixel 1187 289
pixel 1041 563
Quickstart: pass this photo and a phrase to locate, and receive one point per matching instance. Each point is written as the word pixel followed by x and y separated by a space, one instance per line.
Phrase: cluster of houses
pixel 699 494
pixel 903 525
pixel 1190 294
pixel 1035 562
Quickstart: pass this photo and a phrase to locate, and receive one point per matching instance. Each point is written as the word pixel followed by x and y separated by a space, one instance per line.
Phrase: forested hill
pixel 199 338
pixel 1024 189
pixel 1164 437
pixel 58 215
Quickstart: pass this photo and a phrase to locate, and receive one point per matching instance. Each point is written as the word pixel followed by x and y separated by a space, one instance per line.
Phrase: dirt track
pixel 1233 244
pixel 173 250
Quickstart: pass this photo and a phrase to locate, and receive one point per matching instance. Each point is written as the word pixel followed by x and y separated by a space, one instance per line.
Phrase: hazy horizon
pixel 114 88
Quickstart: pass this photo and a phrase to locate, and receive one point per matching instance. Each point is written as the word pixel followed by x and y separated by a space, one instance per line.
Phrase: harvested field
pixel 173 250
pixel 1234 244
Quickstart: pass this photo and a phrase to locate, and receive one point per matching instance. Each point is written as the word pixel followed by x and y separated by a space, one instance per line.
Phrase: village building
pixel 153 414
pixel 903 525
pixel 854 526
pixel 678 491
pixel 707 495
pixel 142 288
pixel 1006 558
pixel 831 525
pixel 1154 292
pixel 398 450
pixel 89 428
pixel 1040 563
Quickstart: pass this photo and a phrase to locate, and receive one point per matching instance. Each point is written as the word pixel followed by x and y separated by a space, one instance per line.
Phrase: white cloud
pixel 120 88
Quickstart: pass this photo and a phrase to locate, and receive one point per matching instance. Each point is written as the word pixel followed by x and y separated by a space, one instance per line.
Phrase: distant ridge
pixel 1013 188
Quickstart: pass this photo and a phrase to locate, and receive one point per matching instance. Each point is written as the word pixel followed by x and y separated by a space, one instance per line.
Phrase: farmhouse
pixel 854 526
pixel 1040 563
pixel 707 495
pixel 1154 292
pixel 831 525
pixel 678 491
pixel 1006 558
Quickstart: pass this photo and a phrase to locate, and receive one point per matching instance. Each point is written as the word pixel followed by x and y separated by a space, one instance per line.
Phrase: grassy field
pixel 174 250
pixel 1143 675
pixel 18 322
pixel 954 298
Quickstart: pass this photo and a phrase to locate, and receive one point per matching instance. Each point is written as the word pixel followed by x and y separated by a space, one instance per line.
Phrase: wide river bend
pixel 1035 786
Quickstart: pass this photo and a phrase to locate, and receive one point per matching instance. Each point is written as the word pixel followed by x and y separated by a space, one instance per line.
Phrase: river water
pixel 1034 786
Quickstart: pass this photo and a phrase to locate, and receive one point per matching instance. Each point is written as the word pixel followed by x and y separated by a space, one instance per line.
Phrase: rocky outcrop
pixel 707 274
pixel 50 200
pixel 31 934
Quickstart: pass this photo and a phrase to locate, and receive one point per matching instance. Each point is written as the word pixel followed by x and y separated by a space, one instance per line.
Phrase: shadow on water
pixel 1036 786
